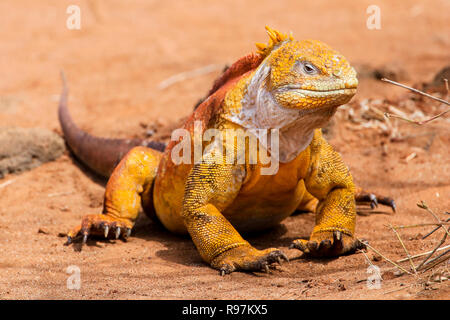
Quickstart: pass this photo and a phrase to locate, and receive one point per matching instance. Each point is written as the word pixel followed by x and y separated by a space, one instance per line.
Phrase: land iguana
pixel 292 86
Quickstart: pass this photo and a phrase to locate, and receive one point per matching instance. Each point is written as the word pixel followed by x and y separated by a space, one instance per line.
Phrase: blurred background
pixel 124 49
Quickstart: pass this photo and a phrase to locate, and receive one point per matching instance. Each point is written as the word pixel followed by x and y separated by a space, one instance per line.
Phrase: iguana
pixel 293 87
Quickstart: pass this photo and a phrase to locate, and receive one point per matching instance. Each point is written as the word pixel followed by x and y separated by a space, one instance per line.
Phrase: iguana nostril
pixel 337 73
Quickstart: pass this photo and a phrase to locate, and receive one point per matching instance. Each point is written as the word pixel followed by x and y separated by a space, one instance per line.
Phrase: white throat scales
pixel 261 111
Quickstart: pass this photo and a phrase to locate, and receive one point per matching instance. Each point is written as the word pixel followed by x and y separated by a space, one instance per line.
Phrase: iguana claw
pixel 247 258
pixel 327 244
pixel 99 224
pixel 69 241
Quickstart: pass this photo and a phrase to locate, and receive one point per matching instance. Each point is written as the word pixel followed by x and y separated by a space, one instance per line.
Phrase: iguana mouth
pixel 318 93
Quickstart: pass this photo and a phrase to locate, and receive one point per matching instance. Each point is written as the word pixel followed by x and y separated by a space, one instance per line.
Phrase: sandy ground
pixel 114 65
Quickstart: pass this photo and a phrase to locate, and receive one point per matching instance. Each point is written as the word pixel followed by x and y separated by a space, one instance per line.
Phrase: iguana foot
pixel 373 200
pixel 247 258
pixel 100 224
pixel 327 244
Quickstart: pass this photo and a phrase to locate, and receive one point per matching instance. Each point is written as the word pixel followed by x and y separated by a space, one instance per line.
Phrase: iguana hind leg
pixel 129 185
pixel 309 202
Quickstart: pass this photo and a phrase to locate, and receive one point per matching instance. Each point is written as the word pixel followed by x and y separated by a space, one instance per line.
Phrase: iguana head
pixel 306 74
pixel 296 88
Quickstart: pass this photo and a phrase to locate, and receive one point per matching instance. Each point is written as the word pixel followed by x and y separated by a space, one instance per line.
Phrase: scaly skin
pixel 293 86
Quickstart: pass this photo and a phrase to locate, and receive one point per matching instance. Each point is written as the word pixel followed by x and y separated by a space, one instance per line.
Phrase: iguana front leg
pixel 329 180
pixel 210 188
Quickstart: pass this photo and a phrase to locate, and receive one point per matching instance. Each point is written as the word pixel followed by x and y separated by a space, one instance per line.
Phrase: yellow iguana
pixel 284 94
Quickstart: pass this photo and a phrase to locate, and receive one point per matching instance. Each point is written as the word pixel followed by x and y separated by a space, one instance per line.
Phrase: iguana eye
pixel 309 68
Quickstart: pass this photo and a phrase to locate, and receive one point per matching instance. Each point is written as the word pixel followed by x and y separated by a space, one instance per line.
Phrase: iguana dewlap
pixel 289 85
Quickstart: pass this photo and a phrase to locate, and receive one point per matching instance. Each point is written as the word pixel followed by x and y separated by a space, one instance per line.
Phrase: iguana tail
pixel 99 154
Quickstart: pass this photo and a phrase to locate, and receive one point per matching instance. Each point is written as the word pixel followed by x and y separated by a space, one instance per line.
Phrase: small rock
pixel 43 231
pixel 26 148
pixel 398 273
pixel 376 257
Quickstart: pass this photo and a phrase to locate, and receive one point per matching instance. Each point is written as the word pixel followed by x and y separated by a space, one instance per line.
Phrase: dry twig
pixel 389 115
pixel 57 194
pixel 385 258
pixel 432 265
pixel 188 75
pixel 423 205
pixel 422 254
pixel 447 222
pixel 435 229
pixel 4 184
pixel 433 251
pixel 404 248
